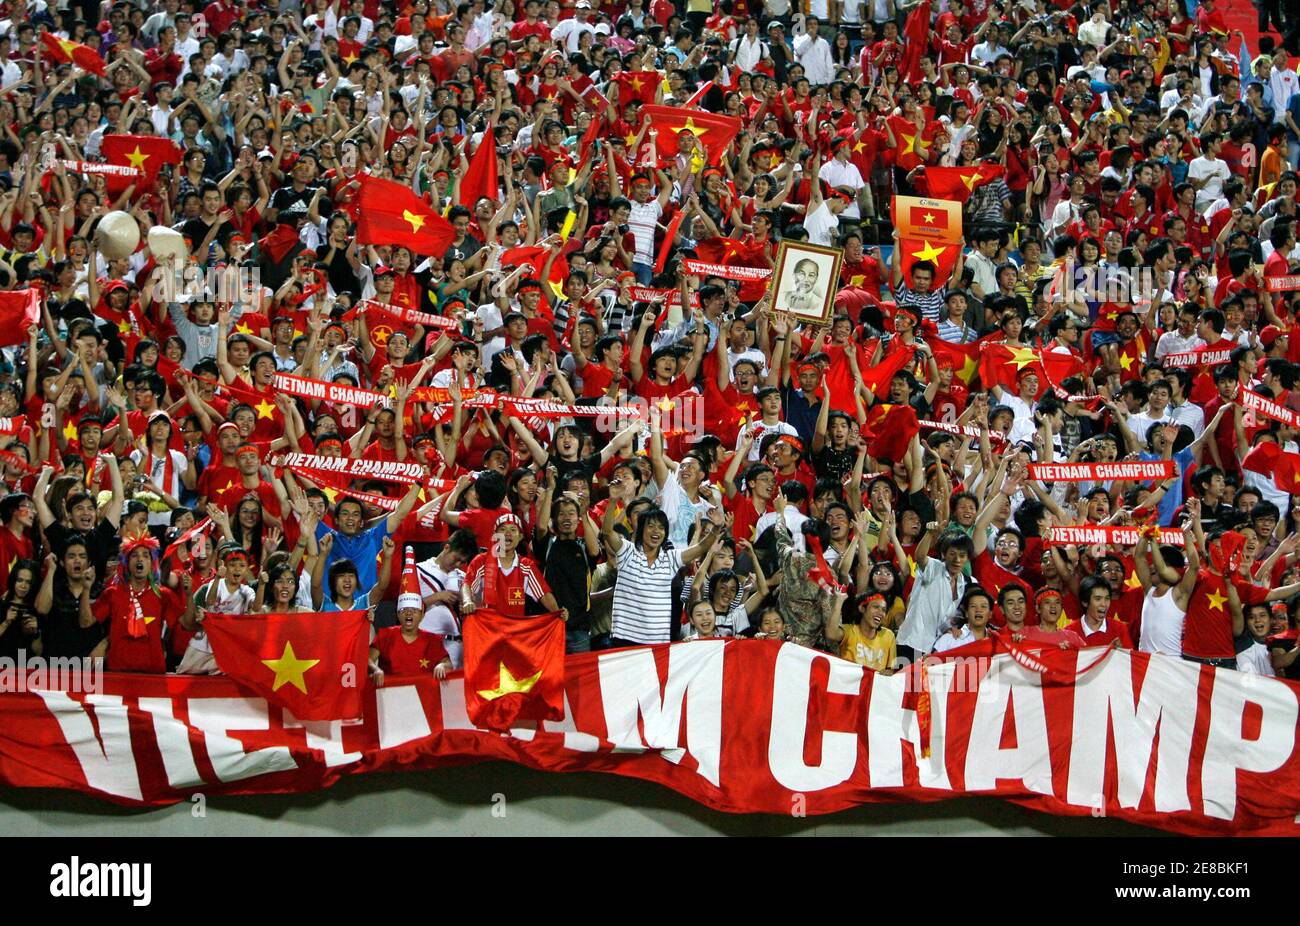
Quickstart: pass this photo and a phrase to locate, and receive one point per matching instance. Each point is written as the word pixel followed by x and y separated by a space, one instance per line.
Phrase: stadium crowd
pixel 1139 197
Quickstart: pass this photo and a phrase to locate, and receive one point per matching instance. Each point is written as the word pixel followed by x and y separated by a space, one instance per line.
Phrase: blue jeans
pixel 644 273
pixel 577 641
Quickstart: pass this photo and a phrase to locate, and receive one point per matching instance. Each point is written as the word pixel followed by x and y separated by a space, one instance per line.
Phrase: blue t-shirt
pixel 359 602
pixel 363 549
pixel 1173 498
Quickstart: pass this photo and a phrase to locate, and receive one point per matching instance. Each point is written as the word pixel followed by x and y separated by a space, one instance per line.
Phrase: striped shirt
pixel 643 595
pixel 643 220
pixel 929 304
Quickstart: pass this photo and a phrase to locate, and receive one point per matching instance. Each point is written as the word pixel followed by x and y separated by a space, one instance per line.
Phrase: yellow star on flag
pixel 911 143
pixel 691 127
pixel 348 59
pixel 242 328
pixel 124 327
pixel 972 180
pixel 636 84
pixel 67 45
pixel 1216 601
pixel 860 146
pixel 630 139
pixel 929 252
pixel 508 684
pixel 417 221
pixel 229 485
pixel 331 494
pixel 1125 361
pixel 857 279
pixel 137 158
pixel 666 404
pixel 929 218
pixel 289 668
pixel 968 370
pixel 1132 581
pixel 1022 357
pixel 69 431
pixel 265 409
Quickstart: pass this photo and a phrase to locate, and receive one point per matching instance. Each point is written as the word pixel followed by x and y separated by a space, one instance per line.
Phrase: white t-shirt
pixel 821 226
pixel 439 618
pixel 1217 172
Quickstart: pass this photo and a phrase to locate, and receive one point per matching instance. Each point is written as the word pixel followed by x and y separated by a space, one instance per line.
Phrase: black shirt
pixel 14 638
pixel 61 628
pixel 567 566
pixel 101 546
pixel 830 463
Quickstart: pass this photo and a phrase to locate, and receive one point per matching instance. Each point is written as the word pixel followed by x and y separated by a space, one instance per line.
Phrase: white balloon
pixel 117 235
pixel 165 243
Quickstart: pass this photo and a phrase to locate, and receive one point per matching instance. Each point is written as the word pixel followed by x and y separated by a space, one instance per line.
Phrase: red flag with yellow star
pixel 391 213
pixel 906 138
pixel 1286 475
pixel 19 310
pixel 942 254
pixel 269 423
pixel 314 665
pixel 480 177
pixel 514 668
pixel 68 51
pixel 145 153
pixel 963 358
pixel 638 85
pixel 1002 365
pixel 714 132
pixel 959 182
pixel 934 219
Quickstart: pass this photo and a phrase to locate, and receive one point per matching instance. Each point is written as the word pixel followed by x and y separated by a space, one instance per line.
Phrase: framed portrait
pixel 805 280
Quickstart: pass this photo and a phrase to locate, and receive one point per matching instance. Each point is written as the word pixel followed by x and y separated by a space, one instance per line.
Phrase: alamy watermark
pixel 80 675
pixel 228 284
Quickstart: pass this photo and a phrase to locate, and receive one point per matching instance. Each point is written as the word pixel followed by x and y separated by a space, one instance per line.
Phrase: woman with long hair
pixel 19 629
pixel 277 592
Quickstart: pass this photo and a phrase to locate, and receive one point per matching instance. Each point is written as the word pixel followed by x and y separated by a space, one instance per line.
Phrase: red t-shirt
pixel 399 656
pixel 596 378
pixel 160 609
pixel 1207 631
pixel 481 521
pixel 1114 630
pixel 511 589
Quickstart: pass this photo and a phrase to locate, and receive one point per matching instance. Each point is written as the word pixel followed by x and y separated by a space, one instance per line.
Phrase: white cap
pixel 408 600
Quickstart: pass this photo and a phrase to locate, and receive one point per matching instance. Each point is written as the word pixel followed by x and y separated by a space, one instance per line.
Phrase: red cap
pixel 1269 334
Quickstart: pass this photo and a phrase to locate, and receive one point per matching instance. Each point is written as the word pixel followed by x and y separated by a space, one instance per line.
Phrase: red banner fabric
pixel 744 726
pixel 1084 534
pixel 1254 402
pixel 1197 358
pixel 1089 472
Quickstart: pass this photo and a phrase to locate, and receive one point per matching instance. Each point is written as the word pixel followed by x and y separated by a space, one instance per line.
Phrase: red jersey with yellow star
pixel 1207 632
pixel 160 609
pixel 399 656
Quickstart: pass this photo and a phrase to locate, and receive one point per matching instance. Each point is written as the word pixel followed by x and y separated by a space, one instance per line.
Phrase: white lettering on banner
pixel 889 724
pixel 791 691
pixel 1253 401
pixel 1029 760
pixel 1227 751
pixel 231 762
pixel 1104 701
pixel 629 689
pixel 325 735
pixel 574 738
pixel 451 693
pixel 1079 472
pixel 401 716
pixel 173 743
pixel 106 758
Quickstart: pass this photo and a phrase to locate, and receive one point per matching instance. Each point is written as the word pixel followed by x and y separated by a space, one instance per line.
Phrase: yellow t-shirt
pixel 877 653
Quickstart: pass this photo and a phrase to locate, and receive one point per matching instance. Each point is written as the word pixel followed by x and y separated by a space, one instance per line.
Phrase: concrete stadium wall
pixel 460 801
